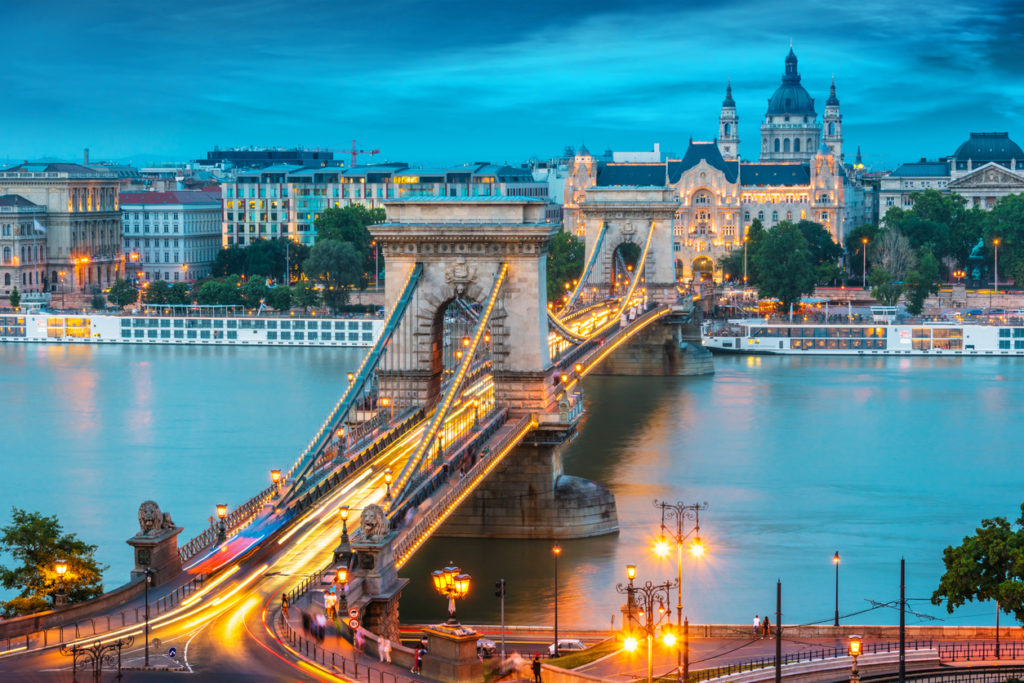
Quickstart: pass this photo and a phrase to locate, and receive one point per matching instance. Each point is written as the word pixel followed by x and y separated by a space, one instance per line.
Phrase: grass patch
pixel 576 659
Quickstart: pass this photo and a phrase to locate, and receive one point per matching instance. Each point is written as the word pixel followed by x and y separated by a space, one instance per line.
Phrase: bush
pixel 99 302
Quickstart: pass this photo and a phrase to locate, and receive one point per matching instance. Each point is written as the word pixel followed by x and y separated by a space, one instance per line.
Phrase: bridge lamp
pixel 631 572
pixel 451 583
pixel 458 355
pixel 222 514
pixel 465 342
pixel 351 378
pixel 343 513
pixel 341 432
pixel 567 286
pixel 668 637
pixel 388 478
pixel 661 547
pixel 487 337
pixel 697 548
pixel 854 650
pixel 564 378
pixel 629 644
pixel 275 476
pixel 60 598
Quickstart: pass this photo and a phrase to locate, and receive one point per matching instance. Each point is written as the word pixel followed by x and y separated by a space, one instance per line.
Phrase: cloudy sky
pixel 444 82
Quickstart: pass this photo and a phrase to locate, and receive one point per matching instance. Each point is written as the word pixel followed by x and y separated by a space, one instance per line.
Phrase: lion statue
pixel 374 523
pixel 151 521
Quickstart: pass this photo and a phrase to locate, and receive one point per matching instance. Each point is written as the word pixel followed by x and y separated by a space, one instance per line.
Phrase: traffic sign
pixel 353 612
pixel 353 624
pixel 172 653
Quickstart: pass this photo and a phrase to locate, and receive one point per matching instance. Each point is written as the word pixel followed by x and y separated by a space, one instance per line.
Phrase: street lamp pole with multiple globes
pixel 645 597
pixel 452 583
pixel 680 512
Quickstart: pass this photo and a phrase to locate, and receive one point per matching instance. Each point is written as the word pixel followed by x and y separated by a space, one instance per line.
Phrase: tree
pixel 335 265
pixel 122 293
pixel 306 295
pixel 1005 222
pixel 986 566
pixel 349 224
pixel 99 302
pixel 230 261
pixel 784 265
pixel 922 281
pixel 178 294
pixel 755 238
pixel 565 263
pixel 157 292
pixel 36 542
pixel 884 287
pixel 893 254
pixel 254 292
pixel 15 297
pixel 280 298
pixel 823 249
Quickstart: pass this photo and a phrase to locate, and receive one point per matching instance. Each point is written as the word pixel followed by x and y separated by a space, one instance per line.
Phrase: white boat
pixel 936 338
pixel 247 330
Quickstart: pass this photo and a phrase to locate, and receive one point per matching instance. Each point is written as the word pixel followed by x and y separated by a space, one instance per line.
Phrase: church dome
pixel 728 102
pixel 982 148
pixel 791 97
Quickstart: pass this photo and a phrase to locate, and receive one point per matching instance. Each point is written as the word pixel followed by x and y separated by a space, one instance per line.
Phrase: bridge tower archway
pixel 462 244
pixel 614 216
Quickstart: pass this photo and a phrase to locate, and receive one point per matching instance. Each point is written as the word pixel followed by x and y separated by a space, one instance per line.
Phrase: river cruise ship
pixel 249 330
pixel 866 339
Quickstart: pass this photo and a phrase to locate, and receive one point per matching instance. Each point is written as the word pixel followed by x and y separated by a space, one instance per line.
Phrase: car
pixel 566 645
pixel 485 648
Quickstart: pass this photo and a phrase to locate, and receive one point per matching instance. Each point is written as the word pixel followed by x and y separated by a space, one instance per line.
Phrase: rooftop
pixel 173 197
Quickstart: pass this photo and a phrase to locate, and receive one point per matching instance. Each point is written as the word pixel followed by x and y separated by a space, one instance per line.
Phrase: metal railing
pixel 237 519
pixel 983 674
pixel 100 624
pixel 966 652
pixel 804 656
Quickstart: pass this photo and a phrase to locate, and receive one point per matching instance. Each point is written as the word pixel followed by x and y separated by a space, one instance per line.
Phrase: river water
pixel 796 457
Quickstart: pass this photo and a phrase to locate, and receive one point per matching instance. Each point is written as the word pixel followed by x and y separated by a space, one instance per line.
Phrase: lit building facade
pixel 800 177
pixel 986 167
pixel 22 245
pixel 83 226
pixel 285 201
pixel 172 236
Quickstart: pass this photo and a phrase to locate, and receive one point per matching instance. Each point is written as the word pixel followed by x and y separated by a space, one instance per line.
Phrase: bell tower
pixel 832 130
pixel 728 127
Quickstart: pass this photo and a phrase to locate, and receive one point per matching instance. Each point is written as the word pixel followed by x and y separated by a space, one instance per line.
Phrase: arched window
pixel 796 144
pixel 728 129
pixel 775 216
pixel 760 216
pixel 785 145
pixel 7 254
pixel 789 215
pixel 702 198
pixel 776 144
pixel 7 279
pixel 831 128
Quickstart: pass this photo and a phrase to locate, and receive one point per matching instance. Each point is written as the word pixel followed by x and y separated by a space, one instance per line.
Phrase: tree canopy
pixel 784 265
pixel 336 266
pixel 988 565
pixel 36 542
pixel 123 293
pixel 565 263
pixel 349 224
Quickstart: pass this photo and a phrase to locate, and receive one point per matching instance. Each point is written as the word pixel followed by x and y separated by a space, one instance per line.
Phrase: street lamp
pixel 864 261
pixel 344 550
pixel 451 583
pixel 62 274
pixel 647 595
pixel 275 476
pixel 995 243
pixel 222 528
pixel 60 598
pixel 556 550
pixel 351 377
pixel 385 402
pixel 854 648
pixel 746 238
pixel 835 561
pixel 389 476
pixel 680 512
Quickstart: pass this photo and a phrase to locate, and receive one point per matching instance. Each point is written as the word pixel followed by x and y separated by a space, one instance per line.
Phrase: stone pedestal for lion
pixel 452 654
pixel 375 587
pixel 156 545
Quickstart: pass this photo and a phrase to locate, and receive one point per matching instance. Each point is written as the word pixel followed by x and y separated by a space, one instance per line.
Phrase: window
pixel 785 145
pixel 776 144
pixel 796 145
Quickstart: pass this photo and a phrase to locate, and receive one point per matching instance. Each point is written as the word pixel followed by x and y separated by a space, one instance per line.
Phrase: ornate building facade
pixel 800 176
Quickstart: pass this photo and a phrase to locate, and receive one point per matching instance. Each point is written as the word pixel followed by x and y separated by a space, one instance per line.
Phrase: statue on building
pixel 374 523
pixel 151 521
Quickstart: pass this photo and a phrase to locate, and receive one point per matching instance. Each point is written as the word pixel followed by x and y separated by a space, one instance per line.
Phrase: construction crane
pixel 356 152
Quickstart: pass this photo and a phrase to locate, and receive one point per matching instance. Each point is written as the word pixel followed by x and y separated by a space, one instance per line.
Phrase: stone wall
pixel 30 623
pixel 528 496
pixel 656 351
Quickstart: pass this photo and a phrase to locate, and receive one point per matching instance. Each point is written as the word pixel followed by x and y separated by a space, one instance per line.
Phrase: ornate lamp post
pixel 385 402
pixel 995 243
pixel 451 583
pixel 556 550
pixel 854 648
pixel 344 549
pixel 222 527
pixel 650 599
pixel 389 477
pixel 275 476
pixel 149 578
pixel 60 598
pixel 864 261
pixel 680 512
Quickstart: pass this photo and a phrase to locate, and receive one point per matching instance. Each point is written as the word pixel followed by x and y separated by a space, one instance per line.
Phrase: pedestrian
pixel 387 650
pixel 417 662
pixel 321 627
pixel 536 669
pixel 757 626
pixel 359 640
pixel 767 626
pixel 423 642
pixel 284 604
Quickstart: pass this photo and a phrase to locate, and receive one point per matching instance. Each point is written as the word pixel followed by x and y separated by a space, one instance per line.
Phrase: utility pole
pixel 500 585
pixel 903 621
pixel 778 631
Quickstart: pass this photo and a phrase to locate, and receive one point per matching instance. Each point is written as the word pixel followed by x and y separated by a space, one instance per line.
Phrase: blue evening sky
pixel 446 82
